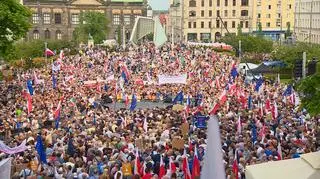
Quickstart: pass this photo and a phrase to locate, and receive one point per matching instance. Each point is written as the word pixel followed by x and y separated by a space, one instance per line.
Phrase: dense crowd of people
pixel 66 108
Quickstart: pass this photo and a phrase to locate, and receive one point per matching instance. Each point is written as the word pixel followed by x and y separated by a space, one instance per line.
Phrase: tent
pixel 268 67
pixel 305 167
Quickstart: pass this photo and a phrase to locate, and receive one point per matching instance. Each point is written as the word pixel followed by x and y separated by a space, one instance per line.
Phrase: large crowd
pixel 71 110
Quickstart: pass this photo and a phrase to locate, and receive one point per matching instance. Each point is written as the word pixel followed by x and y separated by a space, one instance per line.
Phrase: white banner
pixel 5 168
pixel 8 150
pixel 167 79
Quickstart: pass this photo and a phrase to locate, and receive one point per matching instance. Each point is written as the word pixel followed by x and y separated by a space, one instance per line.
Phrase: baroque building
pixel 57 19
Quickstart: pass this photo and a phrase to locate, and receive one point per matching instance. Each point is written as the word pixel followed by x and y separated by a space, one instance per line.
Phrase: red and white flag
pixel 196 164
pixel 185 166
pixel 217 82
pixel 214 109
pixel 162 170
pixel 61 55
pixel 279 151
pixel 223 97
pixel 274 111
pixel 260 109
pixel 235 167
pixel 267 105
pixel 49 52
pixel 137 164
pixel 145 125
pixel 173 168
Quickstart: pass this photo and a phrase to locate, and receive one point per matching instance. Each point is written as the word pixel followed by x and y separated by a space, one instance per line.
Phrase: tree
pixel 239 28
pixel 93 23
pixel 288 32
pixel 309 89
pixel 260 33
pixel 14 23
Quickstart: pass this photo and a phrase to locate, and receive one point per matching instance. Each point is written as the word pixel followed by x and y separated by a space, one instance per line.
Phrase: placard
pixel 177 143
pixel 184 129
pixel 201 121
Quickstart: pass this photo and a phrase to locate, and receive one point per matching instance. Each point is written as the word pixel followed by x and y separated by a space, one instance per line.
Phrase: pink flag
pixel 275 111
pixel 61 55
pixel 49 52
pixel 239 125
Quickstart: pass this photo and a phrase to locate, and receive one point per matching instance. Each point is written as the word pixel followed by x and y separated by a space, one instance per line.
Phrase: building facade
pixel 275 17
pixel 174 28
pixel 307 21
pixel 208 20
pixel 57 19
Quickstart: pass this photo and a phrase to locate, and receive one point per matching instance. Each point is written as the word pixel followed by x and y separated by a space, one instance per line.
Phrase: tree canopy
pixel 93 23
pixel 310 90
pixel 14 23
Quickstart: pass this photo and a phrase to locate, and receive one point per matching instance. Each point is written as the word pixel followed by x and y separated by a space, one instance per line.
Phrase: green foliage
pixel 150 37
pixel 288 32
pixel 290 53
pixel 14 23
pixel 310 90
pixel 35 48
pixel 251 44
pixel 239 29
pixel 259 33
pixel 93 23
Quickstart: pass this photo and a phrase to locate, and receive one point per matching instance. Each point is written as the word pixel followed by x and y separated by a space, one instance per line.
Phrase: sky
pixel 159 4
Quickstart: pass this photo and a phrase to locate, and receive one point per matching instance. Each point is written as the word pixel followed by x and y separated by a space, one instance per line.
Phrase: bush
pixel 35 48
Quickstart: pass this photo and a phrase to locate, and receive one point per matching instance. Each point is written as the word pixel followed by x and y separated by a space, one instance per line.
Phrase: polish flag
pixel 214 109
pixel 260 109
pixel 49 52
pixel 162 170
pixel 185 166
pixel 61 55
pixel 190 144
pixel 137 164
pixel 196 164
pixel 235 167
pixel 217 82
pixel 293 98
pixel 223 97
pixel 173 168
pixel 56 113
pixel 274 111
pixel 279 151
pixel 262 133
pixel 36 80
pixel 267 105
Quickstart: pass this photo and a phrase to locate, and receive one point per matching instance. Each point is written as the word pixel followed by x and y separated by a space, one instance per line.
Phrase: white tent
pixel 305 167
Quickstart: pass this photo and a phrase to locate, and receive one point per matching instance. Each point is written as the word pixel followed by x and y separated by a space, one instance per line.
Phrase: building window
pixel 218 3
pixel 217 24
pixel 57 18
pixel 218 13
pixel 190 25
pixel 126 19
pixel 202 3
pixel 46 18
pixel 58 35
pixel 244 2
pixel 192 3
pixel 210 3
pixel 194 24
pixel 259 15
pixel 225 2
pixel 247 24
pixel 202 24
pixel 269 7
pixel 36 34
pixel 290 6
pixel 116 19
pixel 192 14
pixel 268 24
pixel 47 34
pixel 225 24
pixel 202 13
pixel 233 13
pixel 233 24
pixel 35 18
pixel 244 13
pixel 234 2
pixel 74 18
pixel 241 24
pixel 210 13
pixel 268 16
pixel 210 24
pixel 225 13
